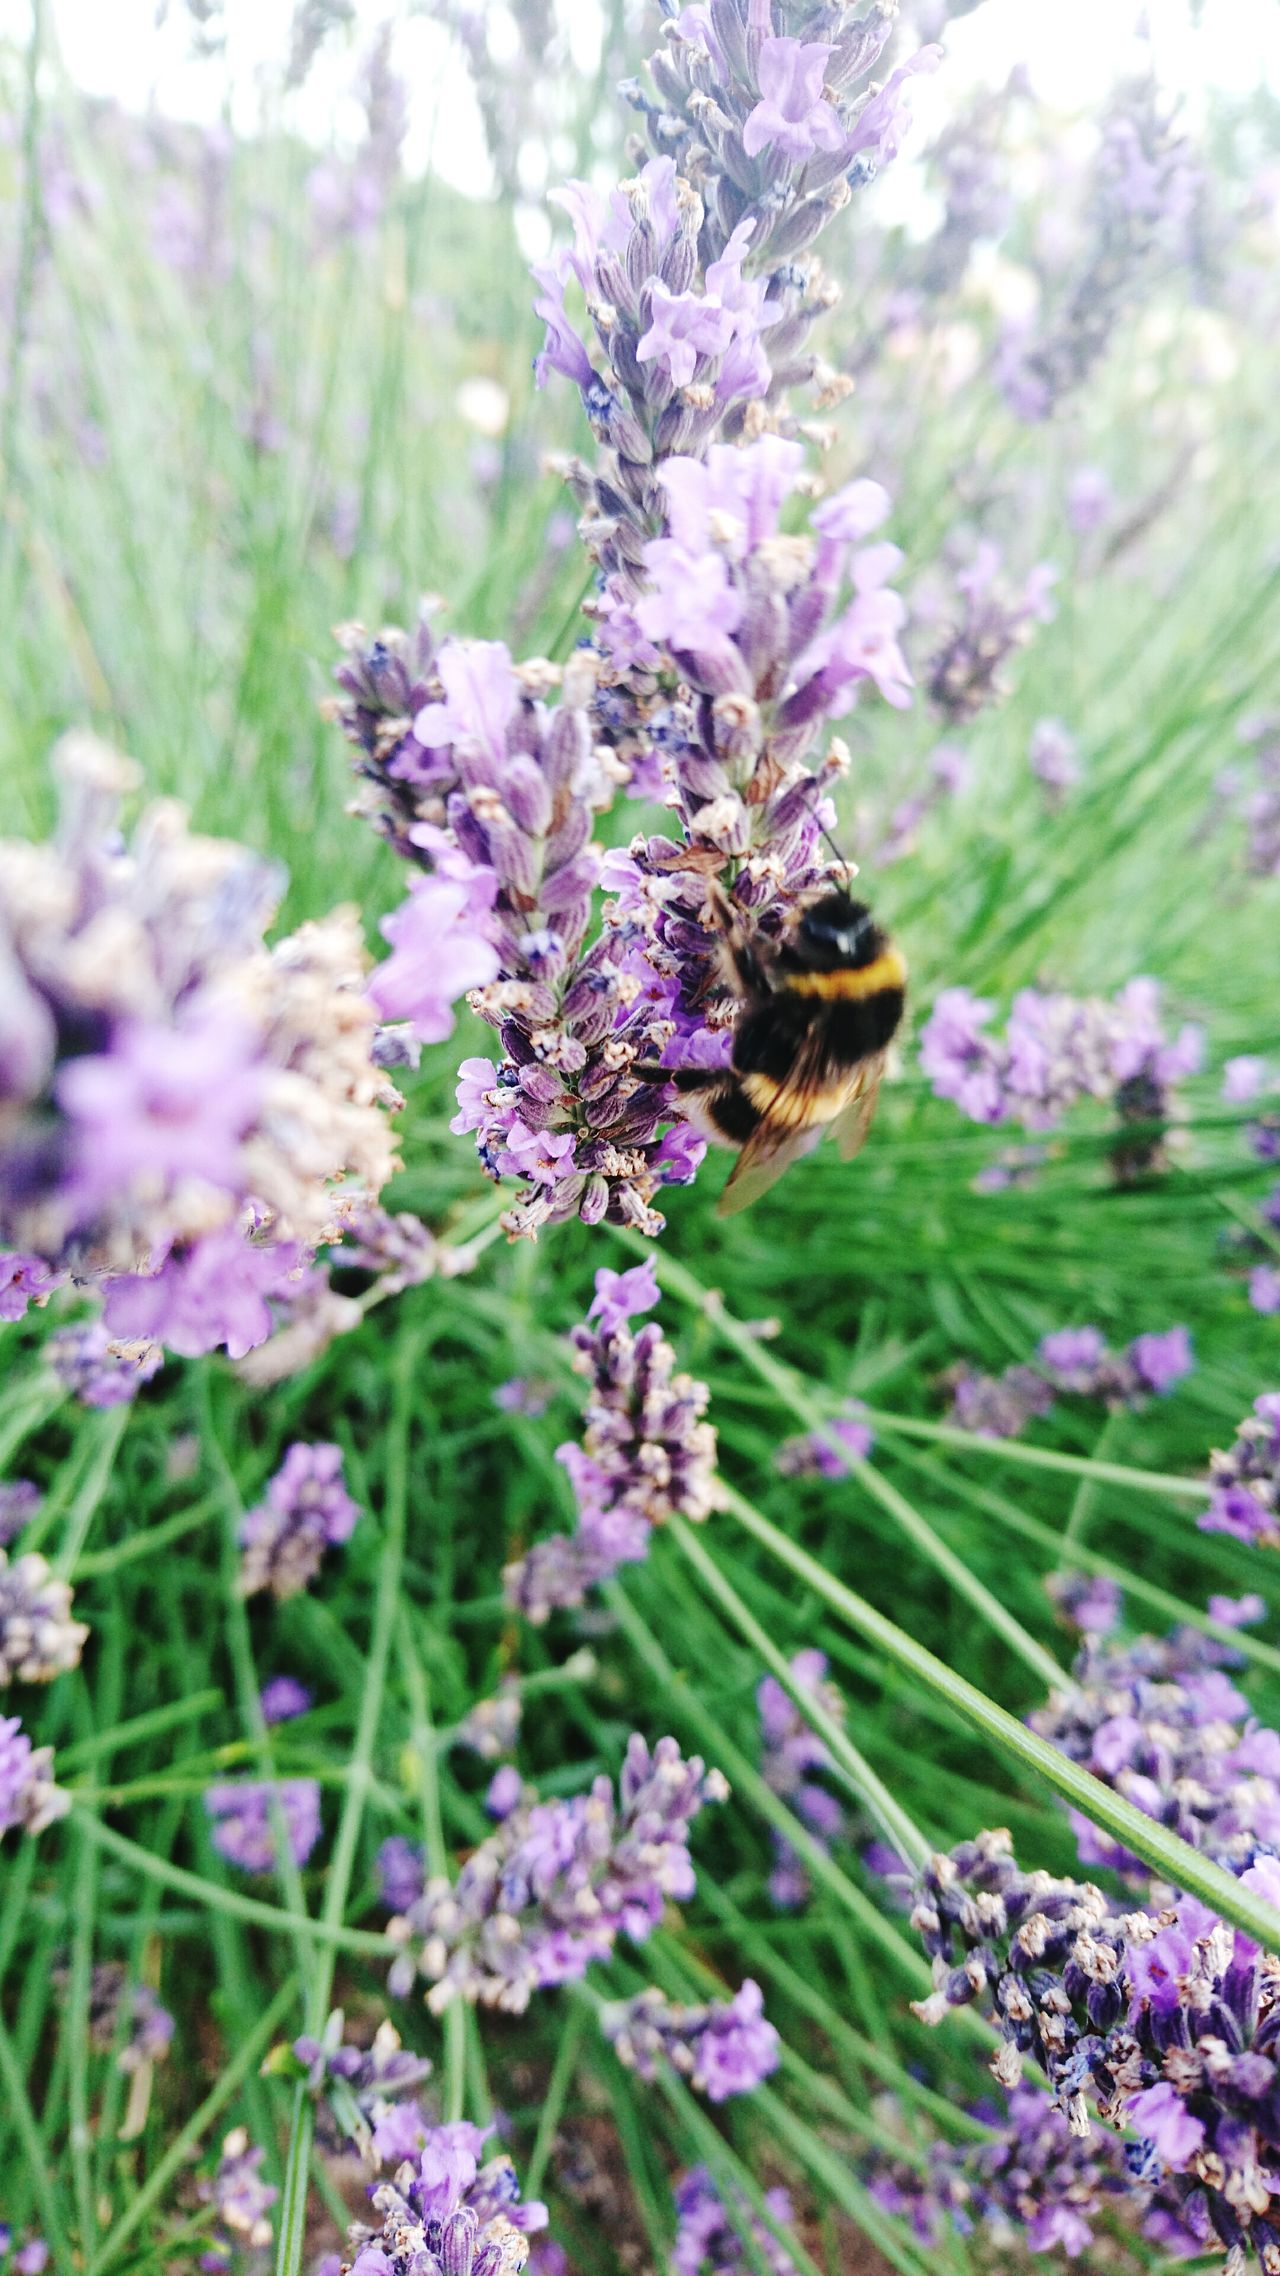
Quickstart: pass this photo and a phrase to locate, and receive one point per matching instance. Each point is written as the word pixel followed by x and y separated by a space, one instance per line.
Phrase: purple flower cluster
pixel 38 1637
pixel 792 1754
pixel 556 1883
pixel 723 2047
pixel 179 1101
pixel 242 1812
pixel 645 1452
pixel 1258 803
pixel 1031 2180
pixel 1071 1362
pixel 28 1796
pixel 283 1697
pixel 30 2259
pixel 1161 1722
pixel 1139 201
pixel 363 2089
pixel 724 643
pixel 991 622
pixel 447 2215
pixel 126 2015
pixel 812 1455
pixel 1056 1050
pixel 1164 2023
pixel 241 2199
pixel 99 1369
pixel 1054 758
pixel 307 1510
pixel 20 1498
pixel 1244 1499
pixel 710 2231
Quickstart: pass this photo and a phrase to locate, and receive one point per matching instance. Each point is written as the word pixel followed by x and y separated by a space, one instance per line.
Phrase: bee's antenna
pixel 850 868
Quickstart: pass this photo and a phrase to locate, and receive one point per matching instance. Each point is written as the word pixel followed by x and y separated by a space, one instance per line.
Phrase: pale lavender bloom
pixel 1238 1611
pixel 307 1510
pixel 555 1884
pixel 811 1454
pixel 1243 1079
pixel 439 950
pixel 31 2258
pixel 1073 1355
pixel 19 1501
pixel 492 1727
pixel 241 1815
pixel 991 622
pixel 24 1280
pixel 364 2082
pixel 1264 1288
pixel 792 116
pixel 523 1395
pixel 723 2047
pixel 1245 1481
pixel 1090 500
pixel 126 2012
pixel 240 2197
pixel 99 1369
pixel 709 2232
pixel 1054 757
pixel 401 1870
pixel 164 1104
pixel 645 1453
pixel 284 1697
pixel 1088 1601
pixel 792 1753
pixel 446 2215
pixel 1073 1361
pixel 38 1637
pixel 506 1790
pixel 1162 1360
pixel 28 1796
pixel 214 1293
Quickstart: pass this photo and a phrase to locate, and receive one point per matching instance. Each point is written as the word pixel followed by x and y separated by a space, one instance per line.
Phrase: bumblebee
pixel 819 1013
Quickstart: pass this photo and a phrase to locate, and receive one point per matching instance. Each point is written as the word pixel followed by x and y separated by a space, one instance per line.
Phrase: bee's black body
pixel 817 1019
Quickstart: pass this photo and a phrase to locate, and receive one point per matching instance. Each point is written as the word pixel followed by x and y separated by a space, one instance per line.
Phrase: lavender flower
pixel 306 1511
pixel 1058 1049
pixel 283 1698
pixel 1243 1079
pixel 358 2086
pixel 179 1101
pixel 1163 2023
pixel 811 1454
pixel 493 1725
pixel 28 1796
pixel 19 1501
pixel 645 1453
pixel 1161 1722
pixel 966 673
pixel 447 2215
pixel 1264 1288
pixel 723 2047
pixel 241 1814
pixel 555 1884
pixel 1245 1481
pixel 126 2015
pixel 1032 2179
pixel 38 1637
pixel 401 1870
pixel 1054 758
pixel 1090 1603
pixel 24 1280
pixel 1139 200
pixel 710 2231
pixel 1070 1361
pixel 99 1369
pixel 241 2199
pixel 792 1753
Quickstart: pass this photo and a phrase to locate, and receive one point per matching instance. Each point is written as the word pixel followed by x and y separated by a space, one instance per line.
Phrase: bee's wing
pixel 787 1132
pixel 853 1122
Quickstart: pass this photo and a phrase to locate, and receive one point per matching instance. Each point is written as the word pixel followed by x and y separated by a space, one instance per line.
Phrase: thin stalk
pixel 39 2169
pixel 1173 1860
pixel 214 1898
pixel 898 1828
pixel 84 1508
pixel 426 1747
pixel 180 2149
pixel 146 1543
pixel 1165 1483
pixel 557 2095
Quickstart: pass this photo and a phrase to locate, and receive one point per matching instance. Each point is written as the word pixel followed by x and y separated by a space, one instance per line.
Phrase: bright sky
pixel 1075 51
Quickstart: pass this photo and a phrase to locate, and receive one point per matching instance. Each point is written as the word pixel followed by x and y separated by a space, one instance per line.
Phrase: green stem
pixel 108 1434
pixel 1040 1457
pixel 217 1899
pixel 899 1829
pixel 426 1746
pixel 557 2095
pixel 38 2166
pixel 1173 1860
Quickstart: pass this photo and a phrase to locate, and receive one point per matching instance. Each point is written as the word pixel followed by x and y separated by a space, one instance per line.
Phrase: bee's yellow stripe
pixel 798 1110
pixel 850 982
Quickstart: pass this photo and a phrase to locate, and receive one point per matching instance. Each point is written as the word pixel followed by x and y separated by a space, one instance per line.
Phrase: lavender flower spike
pixel 307 1510
pixel 240 1811
pixel 723 2048
pixel 556 1883
pixel 792 1754
pixel 709 2232
pixel 1245 1481
pixel 38 1637
pixel 646 1452
pixel 28 1796
pixel 447 2215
